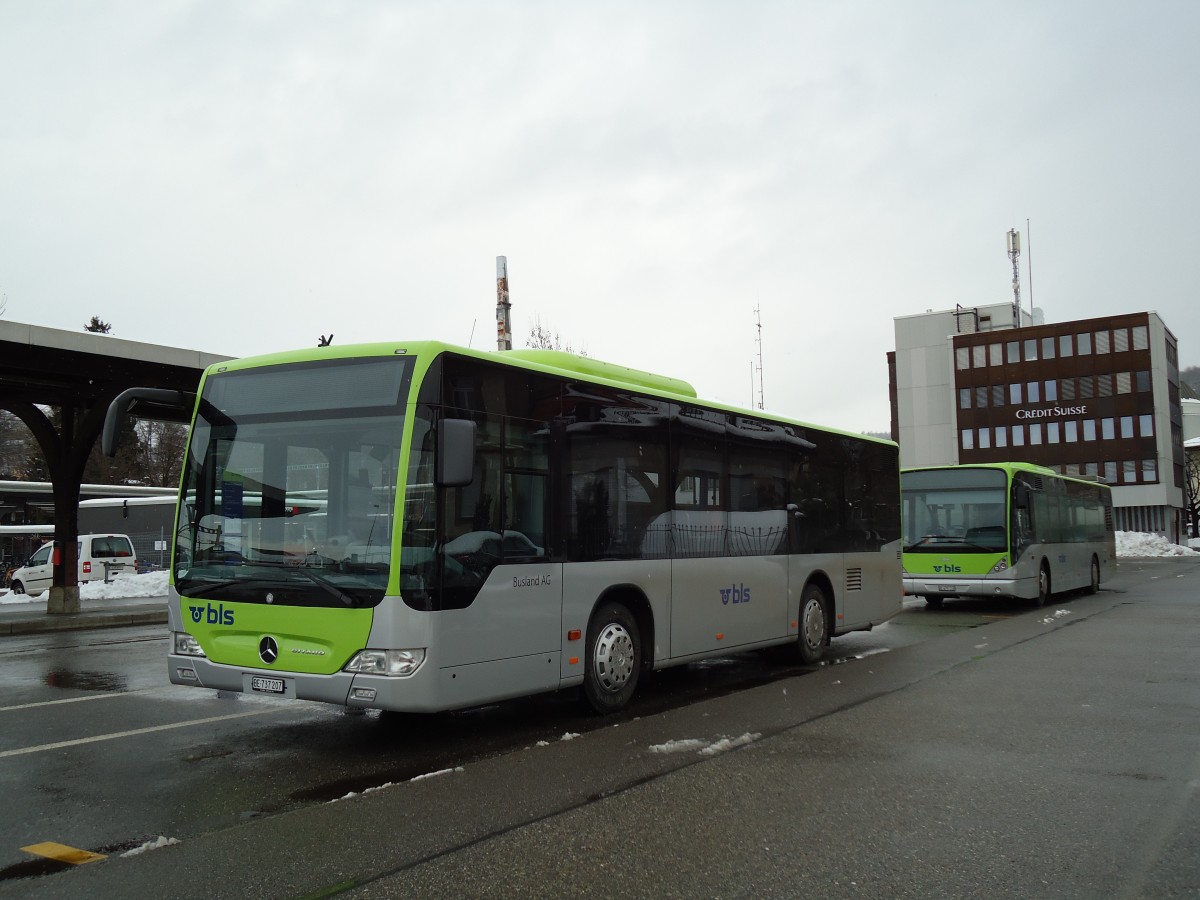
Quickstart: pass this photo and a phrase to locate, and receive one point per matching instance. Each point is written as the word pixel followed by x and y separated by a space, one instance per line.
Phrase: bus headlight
pixel 398 663
pixel 1000 566
pixel 186 645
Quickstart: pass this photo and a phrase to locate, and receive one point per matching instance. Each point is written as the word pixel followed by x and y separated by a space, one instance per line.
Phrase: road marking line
pixel 103 696
pixel 121 734
pixel 63 853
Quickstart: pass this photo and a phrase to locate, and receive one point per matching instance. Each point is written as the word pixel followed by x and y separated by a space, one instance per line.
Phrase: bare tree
pixel 163 446
pixel 542 337
pixel 1191 489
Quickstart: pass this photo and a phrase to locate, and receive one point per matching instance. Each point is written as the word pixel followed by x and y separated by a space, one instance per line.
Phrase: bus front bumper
pixel 932 586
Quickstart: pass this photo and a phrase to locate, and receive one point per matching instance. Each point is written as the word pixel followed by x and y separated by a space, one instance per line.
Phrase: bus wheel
pixel 614 658
pixel 814 625
pixel 18 588
pixel 1043 594
pixel 934 602
pixel 1094 586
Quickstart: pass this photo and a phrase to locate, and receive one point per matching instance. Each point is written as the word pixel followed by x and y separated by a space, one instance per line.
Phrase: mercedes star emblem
pixel 268 650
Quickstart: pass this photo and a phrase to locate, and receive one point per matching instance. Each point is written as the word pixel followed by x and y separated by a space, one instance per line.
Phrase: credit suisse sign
pixel 1052 412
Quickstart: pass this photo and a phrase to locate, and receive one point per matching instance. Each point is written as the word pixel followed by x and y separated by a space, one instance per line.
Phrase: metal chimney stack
pixel 503 307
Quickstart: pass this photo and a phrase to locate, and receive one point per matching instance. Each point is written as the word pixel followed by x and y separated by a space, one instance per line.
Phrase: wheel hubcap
pixel 814 624
pixel 614 659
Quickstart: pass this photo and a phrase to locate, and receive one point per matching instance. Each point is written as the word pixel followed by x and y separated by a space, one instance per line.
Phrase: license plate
pixel 947 588
pixel 267 685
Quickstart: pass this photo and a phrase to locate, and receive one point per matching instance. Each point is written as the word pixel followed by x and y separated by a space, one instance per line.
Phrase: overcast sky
pixel 243 177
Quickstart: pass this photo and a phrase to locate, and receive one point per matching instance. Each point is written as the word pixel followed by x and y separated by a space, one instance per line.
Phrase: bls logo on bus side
pixel 735 593
pixel 218 616
pixel 947 569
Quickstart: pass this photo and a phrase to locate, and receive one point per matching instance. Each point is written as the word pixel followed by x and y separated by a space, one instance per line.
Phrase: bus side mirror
pixel 456 452
pixel 160 404
pixel 1021 495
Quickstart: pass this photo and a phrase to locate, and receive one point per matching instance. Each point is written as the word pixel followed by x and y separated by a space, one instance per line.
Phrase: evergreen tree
pixel 98 326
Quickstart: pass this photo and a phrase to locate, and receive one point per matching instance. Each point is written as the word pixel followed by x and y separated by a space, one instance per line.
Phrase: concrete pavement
pixel 1051 754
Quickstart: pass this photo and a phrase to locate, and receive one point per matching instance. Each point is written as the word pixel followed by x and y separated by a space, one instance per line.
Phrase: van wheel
pixel 1043 594
pixel 1094 585
pixel 614 658
pixel 814 625
pixel 18 588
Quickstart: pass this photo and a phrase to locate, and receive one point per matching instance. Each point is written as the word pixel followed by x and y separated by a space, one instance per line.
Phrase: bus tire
pixel 18 588
pixel 1094 584
pixel 614 658
pixel 814 625
pixel 1043 594
pixel 933 601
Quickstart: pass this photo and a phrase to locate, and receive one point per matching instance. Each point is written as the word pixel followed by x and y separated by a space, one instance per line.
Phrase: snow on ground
pixel 151 584
pixel 1134 543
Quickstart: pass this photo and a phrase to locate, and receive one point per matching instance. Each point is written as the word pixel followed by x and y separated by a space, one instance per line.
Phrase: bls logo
pixel 947 569
pixel 735 594
pixel 206 613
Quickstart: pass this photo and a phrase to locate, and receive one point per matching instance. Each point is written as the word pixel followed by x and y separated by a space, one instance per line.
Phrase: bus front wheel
pixel 933 601
pixel 614 658
pixel 1094 585
pixel 814 625
pixel 1043 594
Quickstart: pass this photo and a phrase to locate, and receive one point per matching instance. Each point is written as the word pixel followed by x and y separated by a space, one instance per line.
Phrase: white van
pixel 95 551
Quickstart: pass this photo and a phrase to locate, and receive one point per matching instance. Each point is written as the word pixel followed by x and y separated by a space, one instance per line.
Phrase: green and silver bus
pixel 421 527
pixel 1011 530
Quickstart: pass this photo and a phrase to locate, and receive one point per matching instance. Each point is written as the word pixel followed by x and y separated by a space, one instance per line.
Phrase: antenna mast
pixel 1014 253
pixel 758 342
pixel 503 307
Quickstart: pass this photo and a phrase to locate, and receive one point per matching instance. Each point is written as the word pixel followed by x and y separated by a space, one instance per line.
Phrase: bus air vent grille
pixel 854 579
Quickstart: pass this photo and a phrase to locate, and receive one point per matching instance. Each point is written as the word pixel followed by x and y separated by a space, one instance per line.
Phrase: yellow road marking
pixel 63 853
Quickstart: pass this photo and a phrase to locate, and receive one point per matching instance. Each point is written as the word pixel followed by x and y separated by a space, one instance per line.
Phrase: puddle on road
pixel 87 681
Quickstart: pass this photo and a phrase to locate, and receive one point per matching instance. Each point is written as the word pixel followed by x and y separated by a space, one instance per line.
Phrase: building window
pixel 995 355
pixel 1014 351
pixel 1033 392
pixel 1146 425
pixel 1068 389
pixel 1001 436
pixel 1064 345
pixel 1103 385
pixel 1129 471
pixel 979 356
pixel 1018 435
pixel 1047 348
pixel 1071 431
pixel 1072 468
pixel 1092 469
pixel 962 358
pixel 1143 381
pixel 1126 426
pixel 985 438
pixel 1124 383
pixel 1110 472
pixel 1035 432
pixel 1141 338
pixel 1108 428
pixel 1101 341
pixel 1031 350
pixel 964 398
pixel 1120 340
pixel 1014 394
pixel 1051 394
pixel 1085 387
pixel 1149 470
pixel 968 439
pixel 997 395
pixel 981 397
pixel 1089 429
pixel 1083 343
pixel 1051 432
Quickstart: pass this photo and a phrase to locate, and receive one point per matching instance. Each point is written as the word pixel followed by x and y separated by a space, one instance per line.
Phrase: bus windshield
pixel 290 484
pixel 959 510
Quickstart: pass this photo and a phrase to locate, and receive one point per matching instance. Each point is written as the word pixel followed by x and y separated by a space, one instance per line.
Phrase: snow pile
pixel 704 748
pixel 1135 543
pixel 151 845
pixel 1058 614
pixel 151 584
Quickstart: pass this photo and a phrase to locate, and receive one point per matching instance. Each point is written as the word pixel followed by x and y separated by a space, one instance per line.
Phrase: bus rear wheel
pixel 814 625
pixel 1094 585
pixel 614 658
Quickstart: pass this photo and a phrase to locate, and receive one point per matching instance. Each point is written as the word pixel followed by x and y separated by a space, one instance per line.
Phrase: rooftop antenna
pixel 503 307
pixel 1029 266
pixel 1014 253
pixel 758 341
